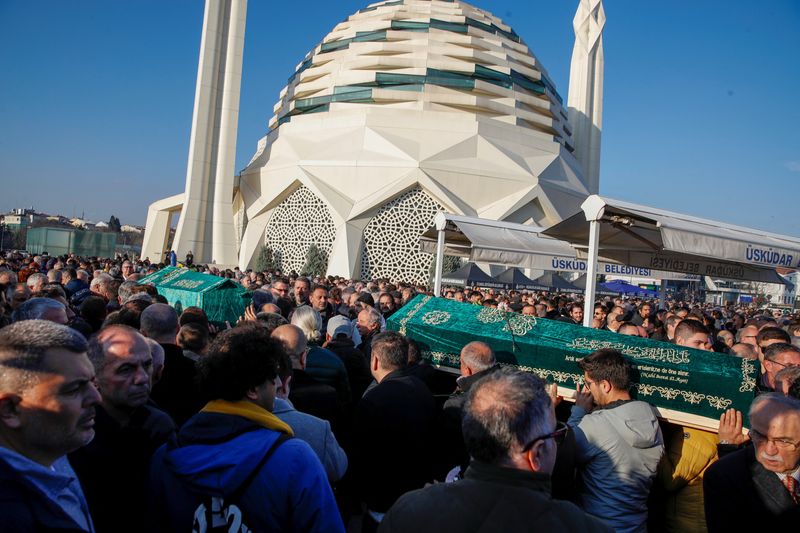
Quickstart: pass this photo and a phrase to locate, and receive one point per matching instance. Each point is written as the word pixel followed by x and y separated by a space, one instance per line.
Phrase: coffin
pixel 686 386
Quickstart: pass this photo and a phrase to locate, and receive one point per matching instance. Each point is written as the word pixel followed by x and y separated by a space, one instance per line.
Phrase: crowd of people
pixel 117 413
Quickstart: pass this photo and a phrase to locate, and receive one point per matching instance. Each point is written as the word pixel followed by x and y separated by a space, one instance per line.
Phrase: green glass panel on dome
pixel 449 26
pixel 395 3
pixel 335 45
pixel 352 96
pixel 369 36
pixel 389 78
pixel 410 25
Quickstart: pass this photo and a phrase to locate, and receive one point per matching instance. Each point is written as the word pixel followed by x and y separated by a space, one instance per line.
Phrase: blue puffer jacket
pixel 215 453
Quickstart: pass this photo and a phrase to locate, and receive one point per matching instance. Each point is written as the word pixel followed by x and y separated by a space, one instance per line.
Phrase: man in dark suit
pixel 175 393
pixel 394 419
pixel 757 487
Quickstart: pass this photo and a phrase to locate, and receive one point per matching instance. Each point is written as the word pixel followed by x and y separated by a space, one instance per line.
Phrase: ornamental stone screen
pixel 299 221
pixel 391 239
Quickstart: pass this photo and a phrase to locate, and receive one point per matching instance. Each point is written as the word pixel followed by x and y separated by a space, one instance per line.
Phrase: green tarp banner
pixel 221 299
pixel 674 378
pixel 62 241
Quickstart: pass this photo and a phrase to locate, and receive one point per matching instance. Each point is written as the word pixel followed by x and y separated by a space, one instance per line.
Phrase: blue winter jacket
pixel 215 453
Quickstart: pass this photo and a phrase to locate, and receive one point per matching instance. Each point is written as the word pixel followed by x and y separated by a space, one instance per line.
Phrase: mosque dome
pixel 406 108
pixel 419 55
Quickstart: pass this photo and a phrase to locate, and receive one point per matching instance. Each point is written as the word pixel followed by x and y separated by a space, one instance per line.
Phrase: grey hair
pixel 34 309
pixel 10 274
pixel 373 316
pixel 478 356
pixel 503 412
pixel 143 296
pixel 309 321
pixel 101 280
pixel 23 346
pixel 743 350
pixel 124 291
pixel 82 274
pixel 787 402
pixel 787 375
pixel 35 279
pixel 54 276
pixel 156 352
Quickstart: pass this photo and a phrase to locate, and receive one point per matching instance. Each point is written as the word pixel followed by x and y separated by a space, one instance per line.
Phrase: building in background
pixel 407 108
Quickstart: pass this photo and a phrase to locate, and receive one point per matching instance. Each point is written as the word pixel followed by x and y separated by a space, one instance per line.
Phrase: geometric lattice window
pixel 391 239
pixel 298 222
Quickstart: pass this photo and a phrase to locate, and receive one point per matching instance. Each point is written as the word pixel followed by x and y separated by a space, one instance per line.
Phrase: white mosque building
pixel 406 108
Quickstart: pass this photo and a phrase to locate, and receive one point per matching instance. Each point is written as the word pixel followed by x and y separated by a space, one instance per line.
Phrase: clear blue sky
pixel 701 109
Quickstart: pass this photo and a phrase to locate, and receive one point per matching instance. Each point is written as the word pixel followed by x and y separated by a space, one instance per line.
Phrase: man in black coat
pixel 339 340
pixel 477 361
pixel 756 488
pixel 113 467
pixel 394 425
pixel 176 392
pixel 307 394
pixel 511 433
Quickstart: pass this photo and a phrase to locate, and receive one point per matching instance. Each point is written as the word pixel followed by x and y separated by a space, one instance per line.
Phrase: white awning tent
pixel 519 245
pixel 490 241
pixel 645 237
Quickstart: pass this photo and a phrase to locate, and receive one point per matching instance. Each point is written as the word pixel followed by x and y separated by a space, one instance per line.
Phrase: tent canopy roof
pixel 470 275
pixel 491 241
pixel 516 279
pixel 555 282
pixel 638 235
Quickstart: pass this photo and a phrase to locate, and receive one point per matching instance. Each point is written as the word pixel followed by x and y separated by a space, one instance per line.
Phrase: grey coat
pixel 618 450
pixel 317 433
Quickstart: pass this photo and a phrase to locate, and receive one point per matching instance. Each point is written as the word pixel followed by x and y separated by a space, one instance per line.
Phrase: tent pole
pixel 662 295
pixel 591 273
pixel 437 276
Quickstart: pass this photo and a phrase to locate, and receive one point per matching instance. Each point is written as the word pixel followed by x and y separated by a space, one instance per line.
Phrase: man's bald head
pixel 475 357
pixel 104 344
pixel 726 337
pixel 295 342
pixel 160 323
pixel 745 351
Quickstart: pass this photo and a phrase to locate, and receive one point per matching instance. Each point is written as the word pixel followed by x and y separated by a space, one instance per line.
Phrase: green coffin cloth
pixel 667 376
pixel 221 299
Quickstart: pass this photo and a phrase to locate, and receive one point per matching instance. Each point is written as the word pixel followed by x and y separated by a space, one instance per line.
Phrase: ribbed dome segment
pixel 427 55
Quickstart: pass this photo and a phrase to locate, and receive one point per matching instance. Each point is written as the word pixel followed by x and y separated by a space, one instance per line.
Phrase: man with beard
pixel 47 409
pixel 386 305
pixel 113 468
pixel 300 291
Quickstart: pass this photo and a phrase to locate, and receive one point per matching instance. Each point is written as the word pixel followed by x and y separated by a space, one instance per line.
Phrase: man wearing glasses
pixel 777 357
pixel 618 441
pixel 757 486
pixel 511 434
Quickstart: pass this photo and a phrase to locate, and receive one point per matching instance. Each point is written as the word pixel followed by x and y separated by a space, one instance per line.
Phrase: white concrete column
pixel 206 225
pixel 591 272
pixel 585 98
pixel 437 275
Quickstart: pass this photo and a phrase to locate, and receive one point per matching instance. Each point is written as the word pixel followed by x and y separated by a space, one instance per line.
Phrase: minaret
pixel 585 100
pixel 206 226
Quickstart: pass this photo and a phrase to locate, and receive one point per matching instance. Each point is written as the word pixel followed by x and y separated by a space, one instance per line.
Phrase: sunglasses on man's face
pixel 558 436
